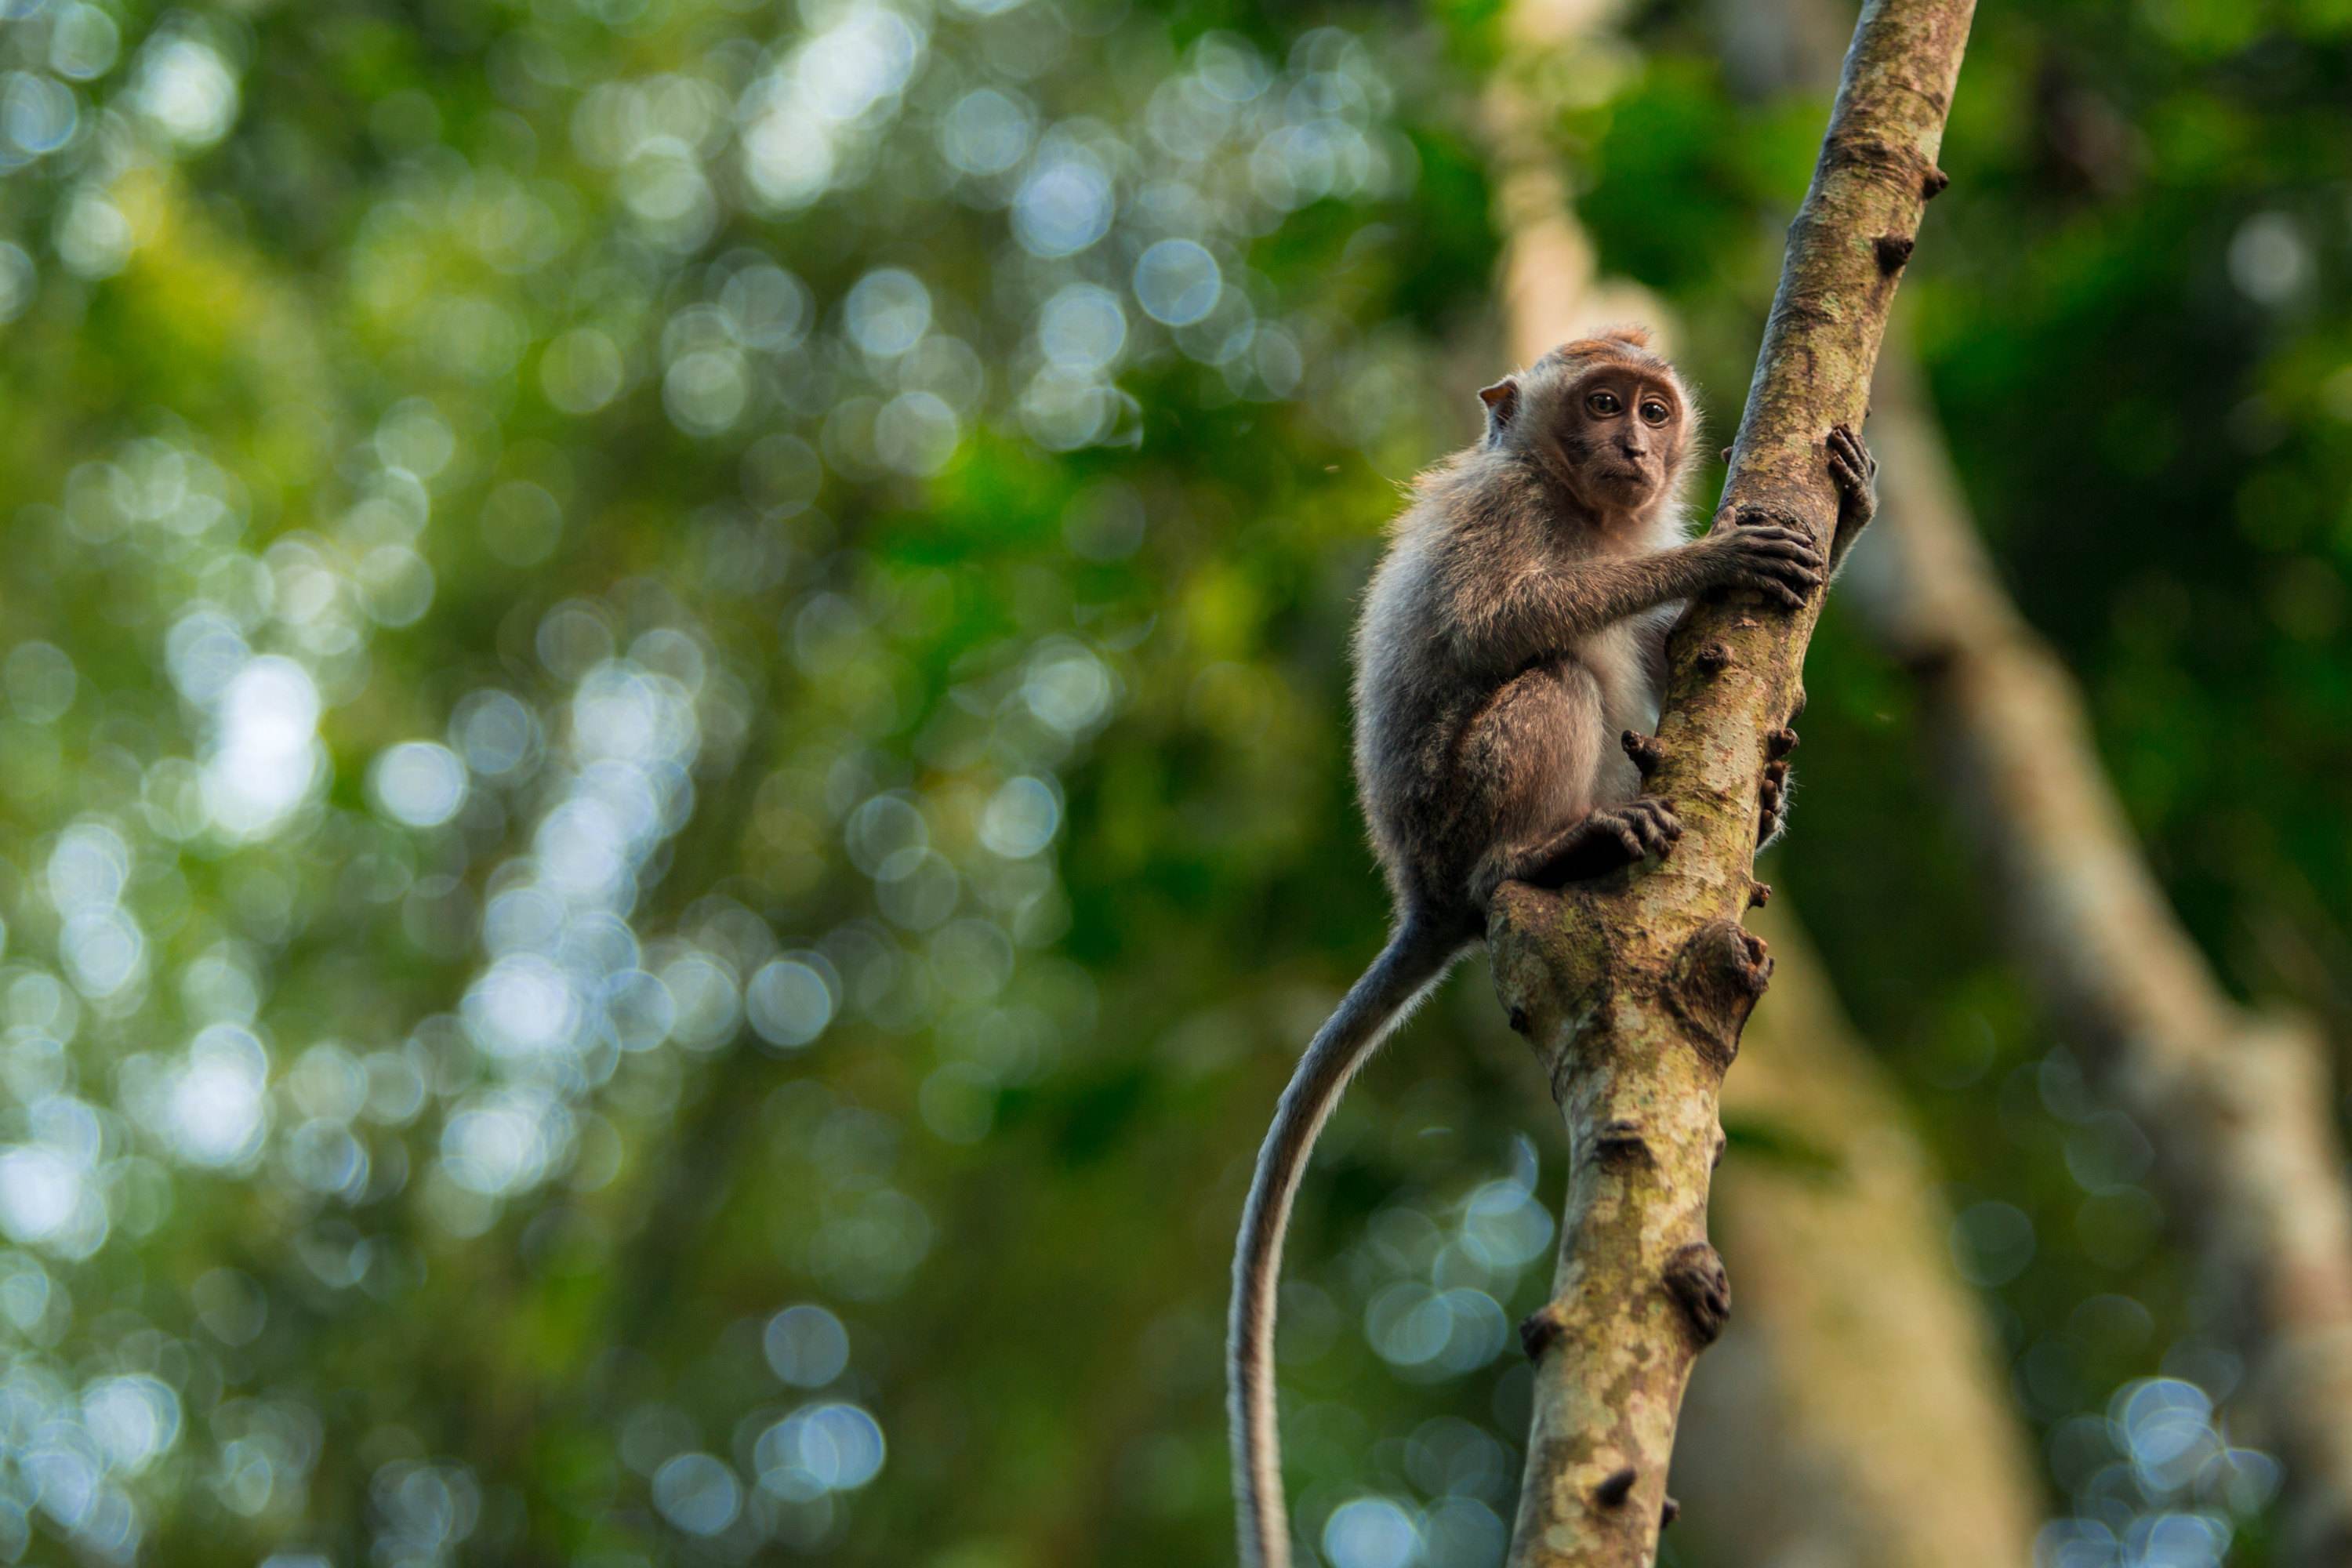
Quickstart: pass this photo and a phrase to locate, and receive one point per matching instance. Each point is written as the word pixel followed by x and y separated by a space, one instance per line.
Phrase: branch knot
pixel 1713 984
pixel 1696 1279
pixel 1619 1145
pixel 1540 1330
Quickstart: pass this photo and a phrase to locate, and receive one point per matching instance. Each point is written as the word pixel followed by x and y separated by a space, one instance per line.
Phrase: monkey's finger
pixel 1844 443
pixel 1842 474
pixel 1779 590
pixel 1777 552
pixel 1796 574
pixel 1650 820
pixel 1755 533
pixel 1798 550
pixel 1774 553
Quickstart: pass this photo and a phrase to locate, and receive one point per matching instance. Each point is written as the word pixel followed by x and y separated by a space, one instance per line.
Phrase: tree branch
pixel 1820 1429
pixel 2238 1106
pixel 1635 991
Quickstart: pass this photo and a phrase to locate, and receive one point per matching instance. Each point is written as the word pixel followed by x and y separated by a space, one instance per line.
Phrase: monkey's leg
pixel 1534 758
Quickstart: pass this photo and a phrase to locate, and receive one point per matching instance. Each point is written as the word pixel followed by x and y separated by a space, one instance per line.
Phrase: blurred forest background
pixel 673 756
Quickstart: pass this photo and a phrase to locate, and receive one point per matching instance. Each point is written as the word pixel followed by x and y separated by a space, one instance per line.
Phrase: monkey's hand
pixel 1856 473
pixel 1757 551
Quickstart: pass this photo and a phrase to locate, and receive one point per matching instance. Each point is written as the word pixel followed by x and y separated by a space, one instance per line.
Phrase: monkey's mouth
pixel 1585 471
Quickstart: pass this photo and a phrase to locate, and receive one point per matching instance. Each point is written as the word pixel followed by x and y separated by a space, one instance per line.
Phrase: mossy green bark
pixel 1634 990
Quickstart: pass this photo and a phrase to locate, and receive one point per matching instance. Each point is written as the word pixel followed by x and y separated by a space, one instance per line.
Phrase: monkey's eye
pixel 1604 403
pixel 1654 412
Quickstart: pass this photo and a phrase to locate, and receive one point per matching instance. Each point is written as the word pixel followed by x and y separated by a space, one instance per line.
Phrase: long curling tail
pixel 1414 961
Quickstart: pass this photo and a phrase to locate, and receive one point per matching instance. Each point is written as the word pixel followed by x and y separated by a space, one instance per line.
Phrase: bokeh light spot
pixel 1177 282
pixel 1370 1532
pixel 806 1346
pixel 697 1493
pixel 418 782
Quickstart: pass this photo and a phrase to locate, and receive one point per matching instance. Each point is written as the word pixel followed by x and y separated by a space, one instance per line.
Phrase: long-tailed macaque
pixel 1514 631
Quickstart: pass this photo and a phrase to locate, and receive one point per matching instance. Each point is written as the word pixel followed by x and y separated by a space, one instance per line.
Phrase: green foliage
pixel 672 776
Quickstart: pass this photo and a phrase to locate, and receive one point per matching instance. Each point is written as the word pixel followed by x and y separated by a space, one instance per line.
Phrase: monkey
pixel 1516 623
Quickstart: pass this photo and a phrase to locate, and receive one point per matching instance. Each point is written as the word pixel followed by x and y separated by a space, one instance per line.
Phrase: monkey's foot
pixel 1611 838
pixel 1772 802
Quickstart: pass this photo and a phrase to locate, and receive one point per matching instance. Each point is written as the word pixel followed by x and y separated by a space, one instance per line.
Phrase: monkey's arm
pixel 1503 624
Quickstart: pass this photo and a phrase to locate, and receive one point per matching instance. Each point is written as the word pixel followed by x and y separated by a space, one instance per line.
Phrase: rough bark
pixel 1856 1412
pixel 1634 991
pixel 2237 1105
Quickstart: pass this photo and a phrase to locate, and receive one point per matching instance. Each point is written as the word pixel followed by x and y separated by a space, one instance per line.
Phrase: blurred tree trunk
pixel 1855 1413
pixel 2238 1106
pixel 1855 1416
pixel 1635 989
pixel 1552 288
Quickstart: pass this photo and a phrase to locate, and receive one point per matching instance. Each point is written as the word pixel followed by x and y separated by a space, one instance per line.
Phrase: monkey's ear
pixel 1502 401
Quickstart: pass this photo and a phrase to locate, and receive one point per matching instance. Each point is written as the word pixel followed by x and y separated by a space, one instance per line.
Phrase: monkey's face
pixel 1620 433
